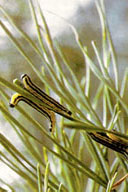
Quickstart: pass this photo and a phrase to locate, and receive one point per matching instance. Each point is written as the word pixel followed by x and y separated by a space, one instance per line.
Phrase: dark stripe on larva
pixel 32 104
pixel 44 95
pixel 103 139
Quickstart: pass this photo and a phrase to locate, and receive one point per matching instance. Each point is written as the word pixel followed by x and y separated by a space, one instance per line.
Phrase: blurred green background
pixel 83 15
